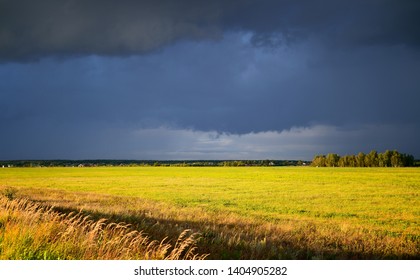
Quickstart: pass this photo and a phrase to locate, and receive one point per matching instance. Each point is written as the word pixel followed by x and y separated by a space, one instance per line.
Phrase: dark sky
pixel 189 79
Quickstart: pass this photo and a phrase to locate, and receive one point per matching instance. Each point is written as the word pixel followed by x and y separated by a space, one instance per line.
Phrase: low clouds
pixel 101 141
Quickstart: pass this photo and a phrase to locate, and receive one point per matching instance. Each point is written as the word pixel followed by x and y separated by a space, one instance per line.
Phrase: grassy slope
pixel 291 212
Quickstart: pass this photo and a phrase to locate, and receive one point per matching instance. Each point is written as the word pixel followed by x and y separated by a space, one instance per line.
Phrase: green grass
pixel 314 212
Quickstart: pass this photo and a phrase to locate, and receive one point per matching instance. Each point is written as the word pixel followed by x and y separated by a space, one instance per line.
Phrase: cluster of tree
pixel 372 159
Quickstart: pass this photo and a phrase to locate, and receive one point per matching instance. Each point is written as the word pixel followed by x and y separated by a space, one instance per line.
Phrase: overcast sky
pixel 189 79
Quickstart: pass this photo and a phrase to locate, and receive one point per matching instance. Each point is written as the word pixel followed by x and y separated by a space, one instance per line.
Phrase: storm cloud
pixel 77 77
pixel 35 29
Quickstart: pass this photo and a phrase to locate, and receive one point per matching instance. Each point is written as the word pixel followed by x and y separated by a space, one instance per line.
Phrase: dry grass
pixel 29 230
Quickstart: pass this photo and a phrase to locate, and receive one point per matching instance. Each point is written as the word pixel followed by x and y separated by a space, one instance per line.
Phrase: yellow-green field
pixel 238 213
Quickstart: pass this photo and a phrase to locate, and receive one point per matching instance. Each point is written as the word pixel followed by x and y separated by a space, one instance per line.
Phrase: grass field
pixel 239 213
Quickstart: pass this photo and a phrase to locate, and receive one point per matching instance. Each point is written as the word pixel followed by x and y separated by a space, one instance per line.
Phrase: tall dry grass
pixel 29 230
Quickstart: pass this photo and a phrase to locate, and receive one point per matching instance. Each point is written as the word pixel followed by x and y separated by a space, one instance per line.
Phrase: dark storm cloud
pixel 34 29
pixel 225 87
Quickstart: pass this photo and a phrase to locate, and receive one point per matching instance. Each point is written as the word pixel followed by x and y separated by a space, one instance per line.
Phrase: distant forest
pixel 372 159
pixel 198 163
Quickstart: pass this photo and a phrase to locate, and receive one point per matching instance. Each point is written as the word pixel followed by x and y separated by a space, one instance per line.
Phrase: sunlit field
pixel 230 212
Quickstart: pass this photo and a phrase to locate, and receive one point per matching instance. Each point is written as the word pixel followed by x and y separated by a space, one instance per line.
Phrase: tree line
pixel 372 159
pixel 104 162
